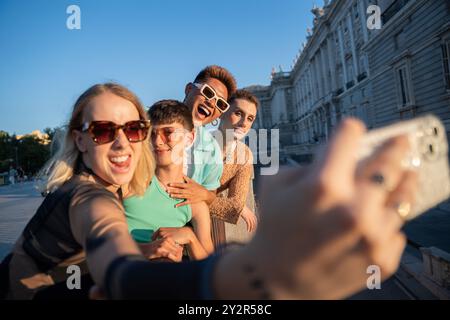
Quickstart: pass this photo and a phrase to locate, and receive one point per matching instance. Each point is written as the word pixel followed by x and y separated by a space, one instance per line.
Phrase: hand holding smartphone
pixel 428 157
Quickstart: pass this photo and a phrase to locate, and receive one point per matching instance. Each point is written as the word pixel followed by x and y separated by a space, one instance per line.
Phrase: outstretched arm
pixel 320 229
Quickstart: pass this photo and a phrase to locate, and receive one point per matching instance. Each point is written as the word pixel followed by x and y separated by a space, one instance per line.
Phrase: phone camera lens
pixel 429 149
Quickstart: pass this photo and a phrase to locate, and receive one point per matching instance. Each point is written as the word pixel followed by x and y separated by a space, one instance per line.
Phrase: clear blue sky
pixel 154 47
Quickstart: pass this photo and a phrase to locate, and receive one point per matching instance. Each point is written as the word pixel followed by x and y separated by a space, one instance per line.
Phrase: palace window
pixel 446 63
pixel 405 95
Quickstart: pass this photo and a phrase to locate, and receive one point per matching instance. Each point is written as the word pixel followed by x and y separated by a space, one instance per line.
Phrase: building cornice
pixel 400 18
pixel 324 26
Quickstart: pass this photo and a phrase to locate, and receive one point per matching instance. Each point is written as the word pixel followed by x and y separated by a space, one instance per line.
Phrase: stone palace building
pixel 380 75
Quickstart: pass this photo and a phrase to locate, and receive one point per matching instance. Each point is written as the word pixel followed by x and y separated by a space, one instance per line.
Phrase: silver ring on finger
pixel 403 209
pixel 379 179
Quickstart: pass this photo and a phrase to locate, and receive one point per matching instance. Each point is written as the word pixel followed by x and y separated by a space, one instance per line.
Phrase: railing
pixel 362 76
pixel 350 84
pixel 339 91
pixel 301 149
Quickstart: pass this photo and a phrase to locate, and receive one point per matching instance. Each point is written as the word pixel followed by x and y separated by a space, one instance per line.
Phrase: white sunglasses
pixel 209 93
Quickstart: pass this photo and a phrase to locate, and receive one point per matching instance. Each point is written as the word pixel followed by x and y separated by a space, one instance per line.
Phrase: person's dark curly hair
pixel 218 73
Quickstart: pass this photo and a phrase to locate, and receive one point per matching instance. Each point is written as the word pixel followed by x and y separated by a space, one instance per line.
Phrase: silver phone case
pixel 428 156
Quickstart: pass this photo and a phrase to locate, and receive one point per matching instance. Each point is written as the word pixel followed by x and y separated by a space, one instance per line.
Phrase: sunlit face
pixel 114 162
pixel 203 110
pixel 239 117
pixel 169 142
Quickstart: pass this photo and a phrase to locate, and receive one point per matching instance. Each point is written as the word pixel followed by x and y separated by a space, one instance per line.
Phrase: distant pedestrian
pixel 12 175
pixel 20 174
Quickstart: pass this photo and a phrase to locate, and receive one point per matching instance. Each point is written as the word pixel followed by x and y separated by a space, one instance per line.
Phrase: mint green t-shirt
pixel 154 210
pixel 204 160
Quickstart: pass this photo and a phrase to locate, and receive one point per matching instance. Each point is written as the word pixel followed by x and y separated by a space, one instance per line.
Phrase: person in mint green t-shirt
pixel 156 209
pixel 207 99
pixel 156 215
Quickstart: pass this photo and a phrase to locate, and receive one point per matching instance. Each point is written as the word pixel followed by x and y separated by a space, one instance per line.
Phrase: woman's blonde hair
pixel 62 165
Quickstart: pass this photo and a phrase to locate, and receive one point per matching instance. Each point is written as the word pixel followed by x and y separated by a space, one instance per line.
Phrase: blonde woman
pixel 105 156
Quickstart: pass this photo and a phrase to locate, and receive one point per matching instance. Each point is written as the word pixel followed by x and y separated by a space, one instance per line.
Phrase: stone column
pixel 362 8
pixel 342 54
pixel 315 93
pixel 331 63
pixel 311 87
pixel 353 47
pixel 326 88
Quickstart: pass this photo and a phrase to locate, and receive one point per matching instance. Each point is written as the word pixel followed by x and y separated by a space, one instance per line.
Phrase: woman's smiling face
pixel 116 161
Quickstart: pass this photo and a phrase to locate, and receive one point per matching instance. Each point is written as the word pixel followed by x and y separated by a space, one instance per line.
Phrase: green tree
pixel 28 153
pixel 6 151
pixel 32 154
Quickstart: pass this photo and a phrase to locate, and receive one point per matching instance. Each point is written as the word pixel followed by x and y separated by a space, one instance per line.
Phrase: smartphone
pixel 428 157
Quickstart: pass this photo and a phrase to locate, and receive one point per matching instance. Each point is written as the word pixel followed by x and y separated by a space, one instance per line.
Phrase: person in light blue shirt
pixel 204 160
pixel 207 98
